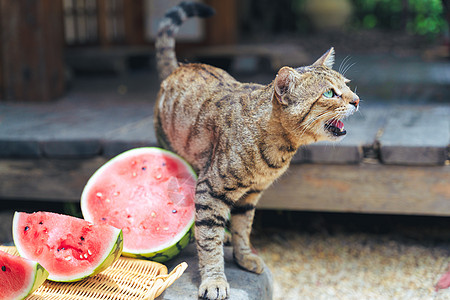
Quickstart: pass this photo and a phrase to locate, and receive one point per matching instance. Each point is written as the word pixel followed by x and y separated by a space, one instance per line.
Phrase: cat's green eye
pixel 329 94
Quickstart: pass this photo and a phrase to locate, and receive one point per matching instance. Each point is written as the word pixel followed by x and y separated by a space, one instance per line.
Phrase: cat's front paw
pixel 250 261
pixel 214 288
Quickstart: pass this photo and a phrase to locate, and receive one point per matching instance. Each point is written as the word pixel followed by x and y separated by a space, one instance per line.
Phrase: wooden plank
pixel 2 64
pixel 31 42
pixel 133 16
pixel 222 27
pixel 46 179
pixel 364 188
pixel 102 23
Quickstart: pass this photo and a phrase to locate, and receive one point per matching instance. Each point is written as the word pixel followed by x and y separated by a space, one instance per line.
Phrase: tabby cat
pixel 239 137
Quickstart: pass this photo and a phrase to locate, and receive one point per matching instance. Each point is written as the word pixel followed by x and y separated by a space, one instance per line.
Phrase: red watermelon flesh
pixel 19 276
pixel 68 248
pixel 148 193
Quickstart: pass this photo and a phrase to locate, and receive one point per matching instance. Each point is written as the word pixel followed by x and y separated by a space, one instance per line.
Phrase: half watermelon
pixel 149 194
pixel 19 276
pixel 69 248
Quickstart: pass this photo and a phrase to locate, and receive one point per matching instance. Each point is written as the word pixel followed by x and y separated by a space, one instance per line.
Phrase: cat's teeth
pixel 336 127
pixel 336 123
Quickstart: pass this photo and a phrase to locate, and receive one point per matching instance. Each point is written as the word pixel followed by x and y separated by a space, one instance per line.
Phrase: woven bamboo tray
pixel 126 279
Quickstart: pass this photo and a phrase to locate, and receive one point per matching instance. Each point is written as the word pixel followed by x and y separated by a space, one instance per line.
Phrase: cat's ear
pixel 326 60
pixel 282 84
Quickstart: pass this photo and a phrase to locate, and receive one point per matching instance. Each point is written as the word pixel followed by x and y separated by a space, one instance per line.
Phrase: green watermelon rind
pixel 40 275
pixel 113 255
pixel 165 252
pixel 108 258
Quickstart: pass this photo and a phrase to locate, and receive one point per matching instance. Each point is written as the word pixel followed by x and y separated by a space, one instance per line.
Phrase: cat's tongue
pixel 336 127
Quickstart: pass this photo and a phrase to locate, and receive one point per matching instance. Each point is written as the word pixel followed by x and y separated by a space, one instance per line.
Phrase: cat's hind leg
pixel 241 225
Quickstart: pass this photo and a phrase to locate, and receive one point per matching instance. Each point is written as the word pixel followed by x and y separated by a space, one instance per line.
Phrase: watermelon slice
pixel 149 194
pixel 69 248
pixel 19 276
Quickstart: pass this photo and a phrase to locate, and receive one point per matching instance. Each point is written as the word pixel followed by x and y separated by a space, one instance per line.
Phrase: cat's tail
pixel 166 60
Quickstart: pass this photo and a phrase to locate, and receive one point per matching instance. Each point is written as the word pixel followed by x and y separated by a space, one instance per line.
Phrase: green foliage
pixel 423 17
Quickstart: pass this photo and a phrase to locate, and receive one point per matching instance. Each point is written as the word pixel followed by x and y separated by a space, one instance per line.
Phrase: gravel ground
pixel 404 262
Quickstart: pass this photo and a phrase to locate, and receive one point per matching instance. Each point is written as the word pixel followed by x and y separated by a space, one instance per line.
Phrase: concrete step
pixel 244 285
pixel 392 134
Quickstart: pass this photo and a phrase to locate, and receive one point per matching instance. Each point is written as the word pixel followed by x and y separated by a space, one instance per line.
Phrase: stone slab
pixel 244 285
pixel 15 121
pixel 72 128
pixel 136 134
pixel 71 148
pixel 416 136
pixel 16 148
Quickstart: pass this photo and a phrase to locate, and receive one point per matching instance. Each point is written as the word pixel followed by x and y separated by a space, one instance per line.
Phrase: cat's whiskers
pixel 318 117
pixel 343 63
pixel 306 125
pixel 347 68
pixel 309 124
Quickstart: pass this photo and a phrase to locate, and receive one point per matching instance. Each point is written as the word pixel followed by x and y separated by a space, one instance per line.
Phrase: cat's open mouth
pixel 335 127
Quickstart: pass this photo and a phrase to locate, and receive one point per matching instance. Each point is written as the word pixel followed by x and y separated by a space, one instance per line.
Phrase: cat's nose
pixel 355 102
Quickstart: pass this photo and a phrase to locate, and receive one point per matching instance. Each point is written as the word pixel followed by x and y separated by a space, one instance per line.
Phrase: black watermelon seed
pixel 144 168
pixel 103 219
pixel 174 211
pixel 40 223
pixel 3 268
pixel 27 228
pixel 82 238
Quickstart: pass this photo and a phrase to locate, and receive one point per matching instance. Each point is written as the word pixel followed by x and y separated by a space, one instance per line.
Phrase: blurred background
pixel 47 44
pixel 363 219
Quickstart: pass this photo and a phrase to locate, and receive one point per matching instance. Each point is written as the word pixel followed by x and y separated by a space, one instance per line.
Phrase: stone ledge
pixel 244 285
pixel 70 148
pixel 411 135
pixel 16 148
pixel 416 136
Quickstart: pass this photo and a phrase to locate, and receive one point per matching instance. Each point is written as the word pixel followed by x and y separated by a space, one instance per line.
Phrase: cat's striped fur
pixel 239 137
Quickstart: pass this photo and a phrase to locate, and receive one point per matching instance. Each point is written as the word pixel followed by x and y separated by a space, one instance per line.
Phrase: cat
pixel 239 137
